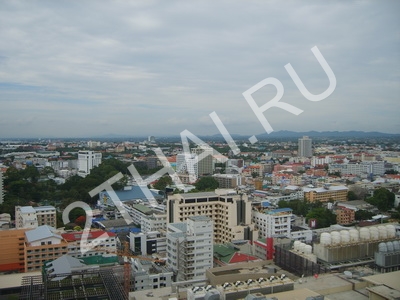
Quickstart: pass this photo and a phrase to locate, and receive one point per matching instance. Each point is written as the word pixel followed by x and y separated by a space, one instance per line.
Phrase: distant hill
pixel 329 134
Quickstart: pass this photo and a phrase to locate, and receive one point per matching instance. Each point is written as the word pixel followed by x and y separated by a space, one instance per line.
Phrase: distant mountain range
pixel 329 134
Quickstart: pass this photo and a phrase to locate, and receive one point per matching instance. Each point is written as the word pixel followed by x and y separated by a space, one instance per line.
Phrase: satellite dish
pixel 348 274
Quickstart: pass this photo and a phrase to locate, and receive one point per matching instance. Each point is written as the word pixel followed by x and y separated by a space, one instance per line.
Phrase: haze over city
pixel 80 69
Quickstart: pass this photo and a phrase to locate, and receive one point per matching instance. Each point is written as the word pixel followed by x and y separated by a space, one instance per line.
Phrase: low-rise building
pixel 326 193
pixel 274 222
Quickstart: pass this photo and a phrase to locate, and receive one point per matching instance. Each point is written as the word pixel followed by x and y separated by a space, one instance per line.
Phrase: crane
pixel 125 253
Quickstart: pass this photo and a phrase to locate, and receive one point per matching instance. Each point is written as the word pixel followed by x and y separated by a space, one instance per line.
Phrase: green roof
pixel 223 252
pixel 99 260
pixel 142 208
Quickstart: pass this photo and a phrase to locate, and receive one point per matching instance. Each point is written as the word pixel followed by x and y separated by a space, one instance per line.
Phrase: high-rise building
pixel 187 163
pixel 305 147
pixel 230 213
pixel 12 250
pixel 274 222
pixel 190 247
pixel 87 160
pixel 1 187
pixel 205 160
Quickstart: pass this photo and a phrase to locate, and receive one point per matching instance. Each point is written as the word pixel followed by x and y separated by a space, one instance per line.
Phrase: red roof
pixel 76 236
pixel 240 257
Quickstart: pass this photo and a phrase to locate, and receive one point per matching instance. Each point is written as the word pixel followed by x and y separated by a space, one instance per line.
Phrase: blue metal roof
pixel 135 193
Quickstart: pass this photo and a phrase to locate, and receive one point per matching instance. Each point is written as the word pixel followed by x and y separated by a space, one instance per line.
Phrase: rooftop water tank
pixel 326 238
pixel 335 237
pixel 364 234
pixel 390 246
pixel 373 231
pixel 302 247
pixel 296 245
pixel 382 232
pixel 354 235
pixel 344 236
pixel 307 249
pixel 382 247
pixel 396 246
pixel 391 231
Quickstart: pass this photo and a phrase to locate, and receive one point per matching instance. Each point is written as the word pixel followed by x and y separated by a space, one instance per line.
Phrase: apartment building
pixel 99 242
pixel 304 147
pixel 345 216
pixel 42 244
pixel 87 160
pixel 147 243
pixel 190 247
pixel 326 193
pixel 228 181
pixel 149 276
pixel 12 258
pixel 205 160
pixel 32 217
pixel 271 223
pixel 187 164
pixel 231 213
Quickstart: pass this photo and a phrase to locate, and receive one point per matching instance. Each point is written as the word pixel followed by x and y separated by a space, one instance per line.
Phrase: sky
pixel 137 68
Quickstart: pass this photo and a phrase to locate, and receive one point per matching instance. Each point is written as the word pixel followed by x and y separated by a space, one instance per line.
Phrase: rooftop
pixel 40 233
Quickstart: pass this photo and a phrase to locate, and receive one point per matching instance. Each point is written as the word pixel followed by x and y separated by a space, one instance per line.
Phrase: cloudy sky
pixel 92 68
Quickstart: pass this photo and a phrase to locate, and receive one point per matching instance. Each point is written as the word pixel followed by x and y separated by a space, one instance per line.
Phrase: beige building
pixel 32 217
pixel 326 193
pixel 230 213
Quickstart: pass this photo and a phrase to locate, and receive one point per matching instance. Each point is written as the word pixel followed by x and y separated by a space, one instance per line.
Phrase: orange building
pixel 12 250
pixel 345 216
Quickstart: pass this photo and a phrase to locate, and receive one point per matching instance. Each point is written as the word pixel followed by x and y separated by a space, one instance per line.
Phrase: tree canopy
pixel 207 183
pixel 383 199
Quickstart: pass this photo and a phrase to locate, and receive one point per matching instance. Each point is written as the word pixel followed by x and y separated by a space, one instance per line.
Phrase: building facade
pixel 12 258
pixel 305 147
pixel 230 213
pixel 190 247
pixel 42 244
pixel 271 223
pixel 327 193
pixel 87 160
pixel 187 163
pixel 205 161
pixel 1 188
pixel 32 217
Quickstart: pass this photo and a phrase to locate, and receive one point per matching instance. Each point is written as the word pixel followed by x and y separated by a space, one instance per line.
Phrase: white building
pixel 273 223
pixel 25 217
pixel 187 163
pixel 87 160
pixel 149 276
pixel 305 147
pixel 99 242
pixel 147 243
pixel 190 247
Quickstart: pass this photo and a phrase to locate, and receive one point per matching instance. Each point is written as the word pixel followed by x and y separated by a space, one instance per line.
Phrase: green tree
pixel 207 183
pixel 163 182
pixel 363 215
pixel 383 199
pixel 351 196
pixel 324 217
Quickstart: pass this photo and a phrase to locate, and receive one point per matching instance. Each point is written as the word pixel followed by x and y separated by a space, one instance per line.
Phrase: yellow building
pixel 326 193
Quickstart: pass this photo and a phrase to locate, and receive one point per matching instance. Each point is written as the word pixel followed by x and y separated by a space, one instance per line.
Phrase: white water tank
pixel 390 246
pixel 325 238
pixel 374 233
pixel 354 235
pixel 364 234
pixel 308 249
pixel 382 232
pixel 396 246
pixel 302 247
pixel 344 236
pixel 391 231
pixel 335 237
pixel 382 247
pixel 296 245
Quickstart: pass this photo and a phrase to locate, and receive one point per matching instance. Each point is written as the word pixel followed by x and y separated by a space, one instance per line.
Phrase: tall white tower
pixel 305 147
pixel 87 160
pixel 190 247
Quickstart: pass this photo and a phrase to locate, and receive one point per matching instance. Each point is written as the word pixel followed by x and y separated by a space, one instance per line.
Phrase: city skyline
pixel 156 68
